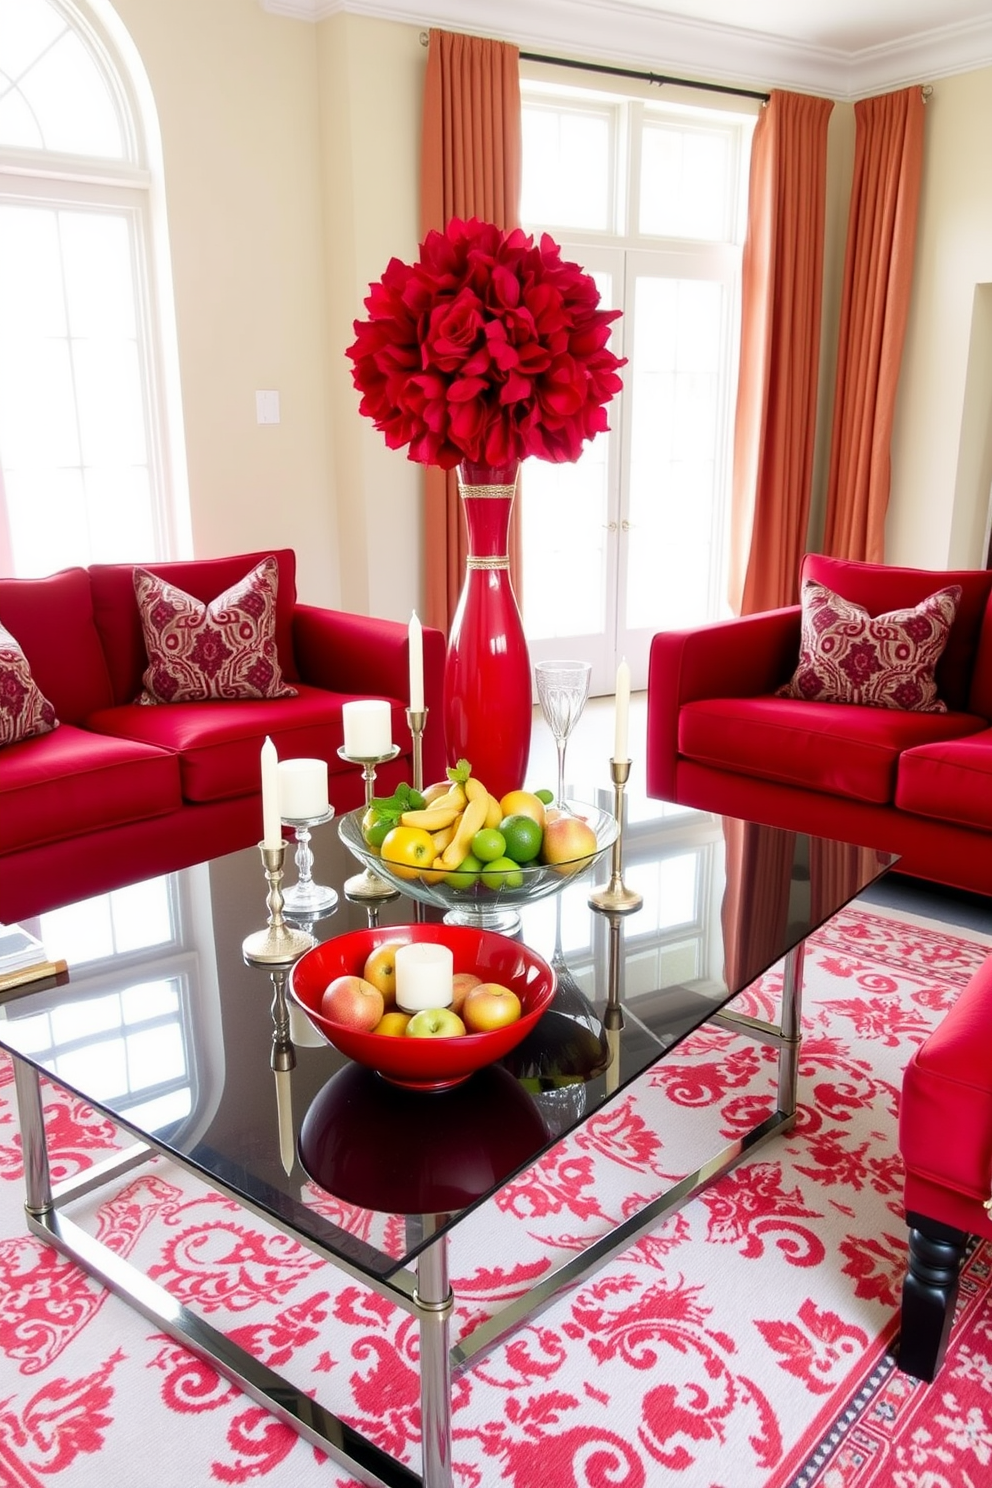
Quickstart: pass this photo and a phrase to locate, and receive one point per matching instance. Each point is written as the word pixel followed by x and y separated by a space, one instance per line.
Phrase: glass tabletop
pixel 163 1025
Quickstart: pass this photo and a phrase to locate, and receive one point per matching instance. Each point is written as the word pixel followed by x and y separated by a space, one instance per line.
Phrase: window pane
pixel 674 381
pixel 564 541
pixel 567 169
pixel 684 182
pixel 58 98
pixel 73 406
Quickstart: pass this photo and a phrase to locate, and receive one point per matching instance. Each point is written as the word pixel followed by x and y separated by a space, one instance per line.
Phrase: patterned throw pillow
pixel 222 650
pixel 24 711
pixel 846 656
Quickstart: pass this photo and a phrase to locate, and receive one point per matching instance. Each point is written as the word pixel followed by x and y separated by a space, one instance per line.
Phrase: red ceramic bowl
pixel 426 1063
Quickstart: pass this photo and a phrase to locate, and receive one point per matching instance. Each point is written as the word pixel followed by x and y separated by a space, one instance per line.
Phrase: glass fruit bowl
pixel 426 1063
pixel 476 904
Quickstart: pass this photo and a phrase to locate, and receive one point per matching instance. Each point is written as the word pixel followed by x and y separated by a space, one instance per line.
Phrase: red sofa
pixel 118 789
pixel 918 784
pixel 945 1138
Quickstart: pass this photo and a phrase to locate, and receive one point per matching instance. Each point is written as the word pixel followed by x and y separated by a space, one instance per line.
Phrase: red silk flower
pixel 489 348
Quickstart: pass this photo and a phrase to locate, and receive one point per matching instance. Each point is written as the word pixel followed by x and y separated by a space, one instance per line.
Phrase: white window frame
pixel 133 187
pixel 621 242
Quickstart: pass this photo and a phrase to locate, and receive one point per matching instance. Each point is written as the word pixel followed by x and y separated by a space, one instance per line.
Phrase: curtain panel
pixel 878 270
pixel 782 280
pixel 470 167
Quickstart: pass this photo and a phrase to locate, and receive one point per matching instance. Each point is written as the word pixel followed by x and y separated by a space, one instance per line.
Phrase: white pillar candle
pixel 271 820
pixel 368 732
pixel 303 789
pixel 415 636
pixel 620 751
pixel 424 976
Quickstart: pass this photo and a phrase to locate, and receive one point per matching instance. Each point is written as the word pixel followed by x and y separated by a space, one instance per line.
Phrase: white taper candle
pixel 271 819
pixel 620 750
pixel 415 634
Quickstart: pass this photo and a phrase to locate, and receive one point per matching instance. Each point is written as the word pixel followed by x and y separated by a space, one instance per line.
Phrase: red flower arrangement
pixel 488 349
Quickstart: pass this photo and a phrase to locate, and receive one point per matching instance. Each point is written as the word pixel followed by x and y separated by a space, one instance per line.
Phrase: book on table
pixel 23 958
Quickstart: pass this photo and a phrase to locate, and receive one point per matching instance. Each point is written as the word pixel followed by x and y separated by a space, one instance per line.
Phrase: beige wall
pixel 237 100
pixel 941 456
pixel 371 82
pixel 292 160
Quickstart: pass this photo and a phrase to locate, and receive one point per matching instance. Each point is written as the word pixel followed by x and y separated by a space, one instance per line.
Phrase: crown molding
pixel 628 34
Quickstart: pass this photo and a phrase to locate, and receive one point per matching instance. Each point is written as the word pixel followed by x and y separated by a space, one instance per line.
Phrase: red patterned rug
pixel 740 1344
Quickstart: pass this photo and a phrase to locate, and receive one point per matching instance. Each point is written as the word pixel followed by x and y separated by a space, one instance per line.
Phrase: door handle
pixel 627 525
pixel 610 526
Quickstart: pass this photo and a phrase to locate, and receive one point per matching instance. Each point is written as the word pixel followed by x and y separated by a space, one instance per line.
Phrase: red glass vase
pixel 487 690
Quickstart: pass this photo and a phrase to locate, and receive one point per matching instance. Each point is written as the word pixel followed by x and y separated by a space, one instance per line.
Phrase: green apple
pixel 435 1023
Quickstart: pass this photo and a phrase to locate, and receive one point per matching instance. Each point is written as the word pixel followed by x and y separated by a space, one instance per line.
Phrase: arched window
pixel 90 448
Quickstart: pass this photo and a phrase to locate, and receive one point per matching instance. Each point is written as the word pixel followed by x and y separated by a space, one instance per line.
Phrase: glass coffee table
pixel 197 1055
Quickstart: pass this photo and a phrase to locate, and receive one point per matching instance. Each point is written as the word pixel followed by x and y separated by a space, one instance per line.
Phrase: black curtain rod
pixel 644 77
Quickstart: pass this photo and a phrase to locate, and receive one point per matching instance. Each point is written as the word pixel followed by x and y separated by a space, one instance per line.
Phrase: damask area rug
pixel 742 1343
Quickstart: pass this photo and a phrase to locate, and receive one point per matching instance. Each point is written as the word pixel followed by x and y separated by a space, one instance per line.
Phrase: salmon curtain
pixel 878 269
pixel 775 423
pixel 470 167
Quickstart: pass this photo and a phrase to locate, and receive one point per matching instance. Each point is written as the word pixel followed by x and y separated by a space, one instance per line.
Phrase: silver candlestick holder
pixel 282 1060
pixel 616 898
pixel 278 942
pixel 416 719
pixel 613 1012
pixel 306 899
pixel 367 884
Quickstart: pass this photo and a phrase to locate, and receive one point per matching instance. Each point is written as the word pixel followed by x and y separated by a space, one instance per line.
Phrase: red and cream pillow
pixel 24 710
pixel 885 661
pixel 223 651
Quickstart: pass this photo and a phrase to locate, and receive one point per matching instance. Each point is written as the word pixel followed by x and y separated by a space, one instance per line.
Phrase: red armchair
pixel 945 1137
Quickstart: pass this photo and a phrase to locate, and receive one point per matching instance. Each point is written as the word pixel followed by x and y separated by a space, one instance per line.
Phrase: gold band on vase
pixel 490 563
pixel 488 493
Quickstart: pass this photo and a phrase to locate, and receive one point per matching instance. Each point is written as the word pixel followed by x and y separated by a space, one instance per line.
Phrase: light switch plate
pixel 267 407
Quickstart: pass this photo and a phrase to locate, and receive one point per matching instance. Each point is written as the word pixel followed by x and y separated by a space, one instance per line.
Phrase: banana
pixel 453 800
pixel 432 819
pixel 472 818
pixel 494 815
pixel 474 789
pixel 442 838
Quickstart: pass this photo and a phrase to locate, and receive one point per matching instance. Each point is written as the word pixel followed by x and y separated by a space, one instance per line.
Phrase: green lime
pixel 502 873
pixel 465 875
pixel 523 837
pixel 488 844
pixel 416 800
pixel 545 795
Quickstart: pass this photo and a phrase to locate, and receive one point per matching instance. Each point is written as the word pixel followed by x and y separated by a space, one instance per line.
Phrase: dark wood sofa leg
pixel 929 1293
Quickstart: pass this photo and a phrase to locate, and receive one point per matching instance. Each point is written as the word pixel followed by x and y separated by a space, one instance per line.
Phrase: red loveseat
pixel 945 1138
pixel 119 789
pixel 915 783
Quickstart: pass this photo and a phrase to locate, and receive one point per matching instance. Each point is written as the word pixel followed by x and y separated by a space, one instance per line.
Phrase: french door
pixel 632 538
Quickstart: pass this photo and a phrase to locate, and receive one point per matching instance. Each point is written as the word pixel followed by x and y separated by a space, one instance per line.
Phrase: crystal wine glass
pixel 562 689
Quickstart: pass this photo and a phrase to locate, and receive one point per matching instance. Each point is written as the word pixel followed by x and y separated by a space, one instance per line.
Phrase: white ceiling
pixel 843 48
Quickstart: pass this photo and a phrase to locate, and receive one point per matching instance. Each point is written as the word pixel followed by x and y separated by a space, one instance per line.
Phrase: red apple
pixel 490 1005
pixel 380 970
pixel 569 844
pixel 435 1023
pixel 461 985
pixel 353 1002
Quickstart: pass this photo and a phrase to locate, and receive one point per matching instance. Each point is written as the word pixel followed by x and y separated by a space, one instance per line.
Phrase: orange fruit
pixel 523 803
pixel 407 850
